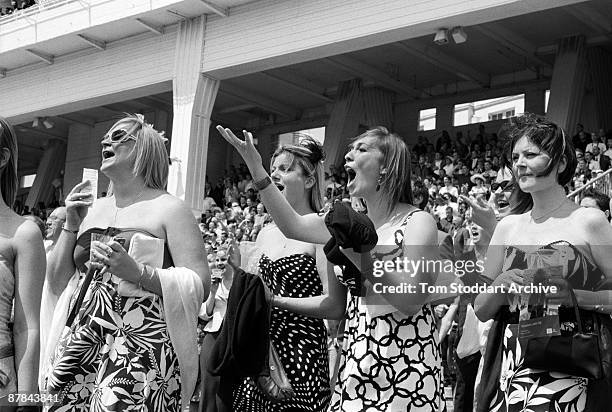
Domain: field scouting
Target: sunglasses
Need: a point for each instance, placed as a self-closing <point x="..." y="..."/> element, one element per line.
<point x="119" y="136"/>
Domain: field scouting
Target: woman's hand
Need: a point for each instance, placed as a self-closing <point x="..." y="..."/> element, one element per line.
<point x="482" y="213"/>
<point x="505" y="279"/>
<point x="116" y="259"/>
<point x="234" y="256"/>
<point x="245" y="147"/>
<point x="77" y="204"/>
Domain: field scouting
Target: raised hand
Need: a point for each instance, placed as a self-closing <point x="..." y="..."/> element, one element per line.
<point x="77" y="204"/>
<point x="482" y="213"/>
<point x="245" y="147"/>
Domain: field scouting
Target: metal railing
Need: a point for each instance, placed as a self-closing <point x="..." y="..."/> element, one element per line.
<point x="602" y="183"/>
<point x="34" y="10"/>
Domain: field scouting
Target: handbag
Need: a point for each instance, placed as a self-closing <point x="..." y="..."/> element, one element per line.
<point x="576" y="355"/>
<point x="274" y="383"/>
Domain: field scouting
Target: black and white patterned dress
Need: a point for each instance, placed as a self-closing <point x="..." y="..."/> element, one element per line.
<point x="301" y="341"/>
<point x="117" y="354"/>
<point x="390" y="361"/>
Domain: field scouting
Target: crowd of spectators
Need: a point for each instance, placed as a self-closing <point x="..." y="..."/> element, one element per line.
<point x="13" y="6"/>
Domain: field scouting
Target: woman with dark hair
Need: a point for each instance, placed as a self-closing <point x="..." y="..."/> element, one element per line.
<point x="545" y="230"/>
<point x="131" y="343"/>
<point x="390" y="358"/>
<point x="22" y="273"/>
<point x="297" y="274"/>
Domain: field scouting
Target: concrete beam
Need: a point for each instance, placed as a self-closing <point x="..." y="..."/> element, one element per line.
<point x="367" y="72"/>
<point x="512" y="41"/>
<point x="265" y="103"/>
<point x="433" y="55"/>
<point x="299" y="84"/>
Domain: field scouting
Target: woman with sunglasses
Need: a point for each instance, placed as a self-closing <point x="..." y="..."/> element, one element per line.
<point x="551" y="233"/>
<point x="391" y="357"/>
<point x="130" y="345"/>
<point x="22" y="270"/>
<point x="296" y="271"/>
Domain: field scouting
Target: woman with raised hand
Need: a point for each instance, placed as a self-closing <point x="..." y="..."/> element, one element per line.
<point x="22" y="273"/>
<point x="132" y="343"/>
<point x="296" y="272"/>
<point x="390" y="359"/>
<point x="553" y="233"/>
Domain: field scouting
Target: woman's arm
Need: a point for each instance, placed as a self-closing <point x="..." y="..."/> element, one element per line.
<point x="185" y="242"/>
<point x="29" y="278"/>
<point x="330" y="305"/>
<point x="447" y="319"/>
<point x="487" y="305"/>
<point x="308" y="228"/>
<point x="60" y="263"/>
<point x="599" y="238"/>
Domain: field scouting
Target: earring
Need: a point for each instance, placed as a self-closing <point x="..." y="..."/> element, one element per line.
<point x="379" y="180"/>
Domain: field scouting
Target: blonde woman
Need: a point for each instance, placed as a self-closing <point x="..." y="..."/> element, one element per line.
<point x="131" y="344"/>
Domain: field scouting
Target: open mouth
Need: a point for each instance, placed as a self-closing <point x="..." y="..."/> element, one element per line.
<point x="280" y="186"/>
<point x="350" y="173"/>
<point x="107" y="154"/>
<point x="502" y="202"/>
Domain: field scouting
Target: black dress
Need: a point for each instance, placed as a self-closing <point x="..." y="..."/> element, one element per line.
<point x="300" y="341"/>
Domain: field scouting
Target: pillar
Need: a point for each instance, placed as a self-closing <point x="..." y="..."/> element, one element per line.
<point x="344" y="119"/>
<point x="534" y="101"/>
<point x="355" y="109"/>
<point x="49" y="168"/>
<point x="445" y="116"/>
<point x="568" y="81"/>
<point x="600" y="62"/>
<point x="193" y="99"/>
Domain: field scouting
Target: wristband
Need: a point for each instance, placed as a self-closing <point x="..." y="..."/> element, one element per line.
<point x="262" y="184"/>
<point x="65" y="229"/>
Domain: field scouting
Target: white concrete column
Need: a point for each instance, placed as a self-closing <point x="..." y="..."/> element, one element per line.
<point x="193" y="99"/>
<point x="567" y="85"/>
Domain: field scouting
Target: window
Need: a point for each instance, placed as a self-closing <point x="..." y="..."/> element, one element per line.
<point x="27" y="181"/>
<point x="488" y="110"/>
<point x="501" y="115"/>
<point x="427" y="119"/>
<point x="294" y="137"/>
<point x="546" y="97"/>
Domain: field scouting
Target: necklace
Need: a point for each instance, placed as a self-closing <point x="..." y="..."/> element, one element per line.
<point x="547" y="214"/>
<point x="118" y="209"/>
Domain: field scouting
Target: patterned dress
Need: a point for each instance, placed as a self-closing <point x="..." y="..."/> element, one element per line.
<point x="117" y="354"/>
<point x="301" y="341"/>
<point x="390" y="361"/>
<point x="525" y="389"/>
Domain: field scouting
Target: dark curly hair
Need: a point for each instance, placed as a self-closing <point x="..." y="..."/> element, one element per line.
<point x="550" y="138"/>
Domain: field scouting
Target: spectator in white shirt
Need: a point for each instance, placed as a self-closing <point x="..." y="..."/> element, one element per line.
<point x="595" y="142"/>
<point x="449" y="188"/>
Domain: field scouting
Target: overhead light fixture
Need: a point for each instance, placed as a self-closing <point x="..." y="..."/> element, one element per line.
<point x="441" y="37"/>
<point x="36" y="122"/>
<point x="459" y="36"/>
<point x="48" y="123"/>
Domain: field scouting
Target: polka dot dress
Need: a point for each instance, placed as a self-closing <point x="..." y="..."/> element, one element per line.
<point x="301" y="341"/>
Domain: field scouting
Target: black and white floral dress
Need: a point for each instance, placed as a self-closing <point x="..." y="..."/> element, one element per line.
<point x="117" y="354"/>
<point x="301" y="341"/>
<point x="525" y="389"/>
<point x="390" y="361"/>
